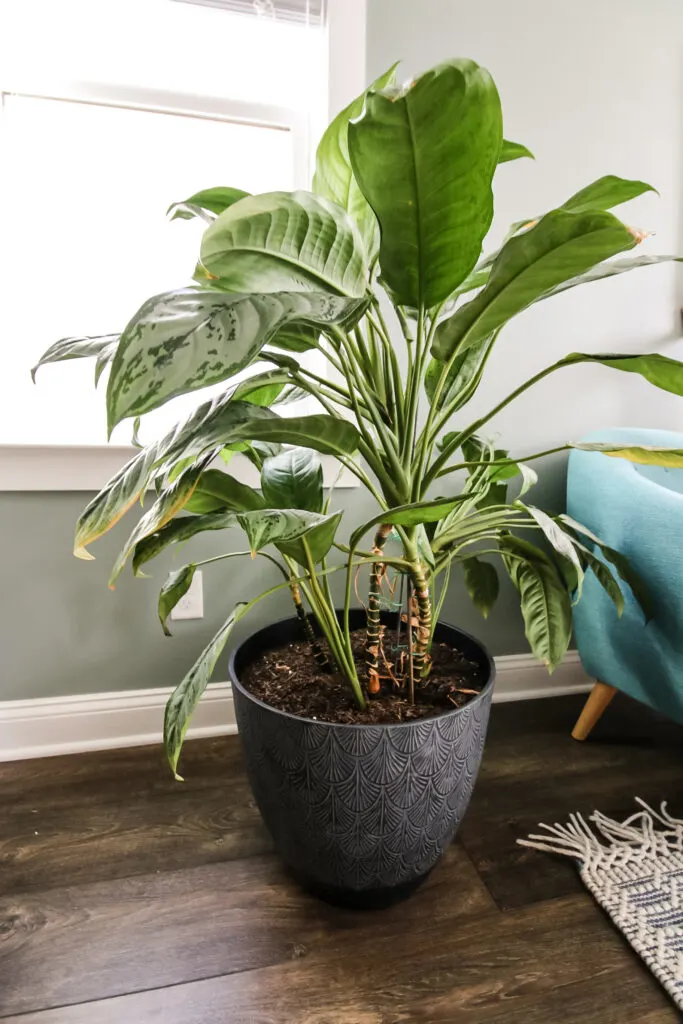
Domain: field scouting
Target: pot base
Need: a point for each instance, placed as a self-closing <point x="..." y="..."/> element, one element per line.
<point x="360" y="899"/>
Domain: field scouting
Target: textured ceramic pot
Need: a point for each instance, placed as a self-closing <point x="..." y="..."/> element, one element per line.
<point x="360" y="813"/>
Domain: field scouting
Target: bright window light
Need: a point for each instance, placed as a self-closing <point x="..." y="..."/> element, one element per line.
<point x="85" y="183"/>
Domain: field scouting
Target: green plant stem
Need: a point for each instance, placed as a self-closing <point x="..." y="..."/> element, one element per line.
<point x="503" y="462"/>
<point x="439" y="604"/>
<point x="413" y="392"/>
<point x="474" y="427"/>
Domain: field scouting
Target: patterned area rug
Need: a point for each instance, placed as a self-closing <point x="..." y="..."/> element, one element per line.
<point x="634" y="869"/>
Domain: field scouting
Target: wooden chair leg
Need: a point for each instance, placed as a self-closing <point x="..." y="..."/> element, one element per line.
<point x="598" y="699"/>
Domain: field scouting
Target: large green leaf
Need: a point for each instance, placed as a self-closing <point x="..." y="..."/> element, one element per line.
<point x="659" y="370"/>
<point x="546" y="608"/>
<point x="288" y="529"/>
<point x="219" y="492"/>
<point x="207" y="203"/>
<point x="286" y="242"/>
<point x="513" y="151"/>
<point x="183" y="700"/>
<point x="334" y="178"/>
<point x="601" y="572"/>
<point x="76" y="348"/>
<point x="212" y="423"/>
<point x="561" y="246"/>
<point x="424" y="158"/>
<point x="175" y="588"/>
<point x="646" y="455"/>
<point x="293" y="479"/>
<point x="481" y="581"/>
<point x="606" y="193"/>
<point x="170" y="501"/>
<point x="184" y="340"/>
<point x="177" y="532"/>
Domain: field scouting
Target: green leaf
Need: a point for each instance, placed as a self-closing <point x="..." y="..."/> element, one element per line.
<point x="77" y="348"/>
<point x="481" y="581"/>
<point x="645" y="455"/>
<point x="293" y="479"/>
<point x="602" y="573"/>
<point x="219" y="492"/>
<point x="324" y="433"/>
<point x="513" y="151"/>
<point x="286" y="242"/>
<point x="559" y="540"/>
<point x="424" y="158"/>
<point x="183" y="700"/>
<point x="659" y="370"/>
<point x="561" y="246"/>
<point x="296" y="338"/>
<point x="606" y="193"/>
<point x="181" y="341"/>
<point x="175" y="587"/>
<point x="213" y="423"/>
<point x="177" y="532"/>
<point x="333" y="176"/>
<point x="546" y="608"/>
<point x="463" y="376"/>
<point x="410" y="515"/>
<point x="207" y="203"/>
<point x="263" y="388"/>
<point x="621" y="563"/>
<point x="288" y="528"/>
<point x="611" y="269"/>
<point x="170" y="501"/>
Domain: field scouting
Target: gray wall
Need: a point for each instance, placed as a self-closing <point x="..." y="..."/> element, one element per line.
<point x="592" y="87"/>
<point x="62" y="631"/>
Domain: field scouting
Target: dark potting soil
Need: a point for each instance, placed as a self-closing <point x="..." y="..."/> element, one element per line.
<point x="289" y="679"/>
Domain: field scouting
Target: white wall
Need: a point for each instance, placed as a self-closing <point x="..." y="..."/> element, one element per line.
<point x="592" y="87"/>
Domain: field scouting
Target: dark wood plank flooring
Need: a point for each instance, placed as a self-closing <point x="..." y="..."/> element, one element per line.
<point x="126" y="897"/>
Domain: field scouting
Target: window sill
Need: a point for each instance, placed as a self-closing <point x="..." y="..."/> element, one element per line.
<point x="87" y="468"/>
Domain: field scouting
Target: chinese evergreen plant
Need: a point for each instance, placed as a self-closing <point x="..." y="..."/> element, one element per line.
<point x="401" y="204"/>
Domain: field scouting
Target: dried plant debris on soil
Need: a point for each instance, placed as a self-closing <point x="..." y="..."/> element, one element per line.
<point x="288" y="678"/>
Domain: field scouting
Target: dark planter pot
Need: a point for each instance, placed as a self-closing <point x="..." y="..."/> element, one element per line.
<point x="360" y="813"/>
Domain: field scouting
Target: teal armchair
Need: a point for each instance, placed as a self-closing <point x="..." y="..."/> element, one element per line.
<point x="638" y="510"/>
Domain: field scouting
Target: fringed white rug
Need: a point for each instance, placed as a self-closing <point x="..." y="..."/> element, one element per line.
<point x="636" y="876"/>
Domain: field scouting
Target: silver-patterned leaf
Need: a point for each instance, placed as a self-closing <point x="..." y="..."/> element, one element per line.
<point x="183" y="700"/>
<point x="78" y="347"/>
<point x="181" y="341"/>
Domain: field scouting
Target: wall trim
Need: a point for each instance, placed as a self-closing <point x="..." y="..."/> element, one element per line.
<point x="87" y="468"/>
<point x="45" y="727"/>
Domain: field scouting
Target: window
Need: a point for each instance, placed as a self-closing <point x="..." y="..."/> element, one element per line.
<point x="165" y="97"/>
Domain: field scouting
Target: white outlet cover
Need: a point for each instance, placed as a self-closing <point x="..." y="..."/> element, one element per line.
<point x="191" y="605"/>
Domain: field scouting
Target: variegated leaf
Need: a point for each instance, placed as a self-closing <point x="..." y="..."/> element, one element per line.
<point x="76" y="348"/>
<point x="183" y="700"/>
<point x="170" y="501"/>
<point x="181" y="341"/>
<point x="177" y="532"/>
<point x="288" y="529"/>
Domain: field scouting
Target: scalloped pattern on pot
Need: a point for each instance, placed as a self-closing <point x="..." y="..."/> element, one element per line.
<point x="362" y="807"/>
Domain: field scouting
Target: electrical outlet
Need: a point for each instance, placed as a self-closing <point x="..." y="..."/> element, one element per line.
<point x="191" y="605"/>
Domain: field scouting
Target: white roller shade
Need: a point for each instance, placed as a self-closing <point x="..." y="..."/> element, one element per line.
<point x="306" y="11"/>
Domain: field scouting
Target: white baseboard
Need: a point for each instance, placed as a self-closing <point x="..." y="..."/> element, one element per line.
<point x="69" y="725"/>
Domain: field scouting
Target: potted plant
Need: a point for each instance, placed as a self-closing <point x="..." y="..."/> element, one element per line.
<point x="363" y="727"/>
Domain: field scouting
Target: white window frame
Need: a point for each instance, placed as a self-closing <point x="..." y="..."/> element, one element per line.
<point x="33" y="467"/>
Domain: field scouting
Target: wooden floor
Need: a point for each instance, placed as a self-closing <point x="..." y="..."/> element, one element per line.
<point x="126" y="898"/>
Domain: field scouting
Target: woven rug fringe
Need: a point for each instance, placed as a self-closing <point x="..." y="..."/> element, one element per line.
<point x="636" y="838"/>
